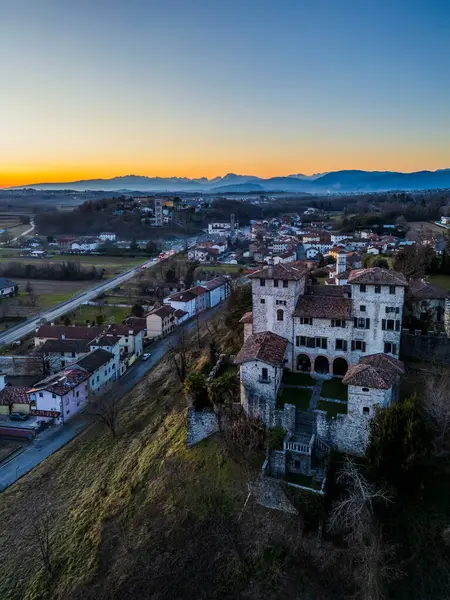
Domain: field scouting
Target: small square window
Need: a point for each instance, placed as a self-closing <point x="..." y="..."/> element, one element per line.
<point x="362" y="287"/>
<point x="285" y="283"/>
<point x="392" y="289"/>
<point x="366" y="410"/>
<point x="262" y="282"/>
<point x="378" y="289"/>
<point x="275" y="283"/>
<point x="263" y="301"/>
<point x="362" y="308"/>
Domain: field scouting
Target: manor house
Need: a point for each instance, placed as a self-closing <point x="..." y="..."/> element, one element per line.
<point x="348" y="333"/>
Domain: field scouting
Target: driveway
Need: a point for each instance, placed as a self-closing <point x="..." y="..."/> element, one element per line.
<point x="56" y="437"/>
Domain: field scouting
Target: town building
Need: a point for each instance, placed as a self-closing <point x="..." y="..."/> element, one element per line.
<point x="7" y="287"/>
<point x="107" y="236"/>
<point x="160" y="321"/>
<point x="229" y="228"/>
<point x="59" y="397"/>
<point x="102" y="367"/>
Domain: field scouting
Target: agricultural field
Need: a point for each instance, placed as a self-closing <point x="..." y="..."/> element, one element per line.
<point x="426" y="227"/>
<point x="442" y="281"/>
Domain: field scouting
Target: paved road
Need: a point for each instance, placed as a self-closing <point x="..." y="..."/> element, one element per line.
<point x="56" y="437"/>
<point x="24" y="232"/>
<point x="19" y="331"/>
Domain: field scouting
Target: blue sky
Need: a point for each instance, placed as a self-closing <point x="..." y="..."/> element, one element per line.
<point x="196" y="88"/>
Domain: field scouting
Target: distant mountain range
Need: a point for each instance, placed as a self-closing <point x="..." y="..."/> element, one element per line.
<point x="321" y="183"/>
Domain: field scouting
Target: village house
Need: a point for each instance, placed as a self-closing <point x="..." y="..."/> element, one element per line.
<point x="161" y="321"/>
<point x="60" y="353"/>
<point x="85" y="245"/>
<point x="218" y="288"/>
<point x="8" y="287"/>
<point x="102" y="367"/>
<point x="428" y="302"/>
<point x="13" y="399"/>
<point x="59" y="397"/>
<point x="201" y="298"/>
<point x="107" y="236"/>
<point x="184" y="301"/>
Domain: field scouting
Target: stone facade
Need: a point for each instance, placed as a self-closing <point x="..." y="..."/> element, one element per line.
<point x="200" y="425"/>
<point x="430" y="348"/>
<point x="260" y="383"/>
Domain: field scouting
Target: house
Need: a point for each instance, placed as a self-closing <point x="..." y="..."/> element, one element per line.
<point x="107" y="236"/>
<point x="8" y="287"/>
<point x="85" y="245"/>
<point x="60" y="353"/>
<point x="131" y="340"/>
<point x="351" y="331"/>
<point x="184" y="301"/>
<point x="223" y="228"/>
<point x="218" y="288"/>
<point x="70" y="332"/>
<point x="59" y="397"/>
<point x="102" y="367"/>
<point x="427" y="301"/>
<point x="161" y="321"/>
<point x="111" y="343"/>
<point x="13" y="399"/>
<point x="201" y="298"/>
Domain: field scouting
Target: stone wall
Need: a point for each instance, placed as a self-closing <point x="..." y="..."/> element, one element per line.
<point x="223" y="359"/>
<point x="22" y="365"/>
<point x="277" y="463"/>
<point x="200" y="425"/>
<point x="346" y="433"/>
<point x="429" y="348"/>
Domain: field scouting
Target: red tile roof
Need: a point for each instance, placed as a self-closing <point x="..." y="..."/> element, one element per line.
<point x="69" y="332"/>
<point x="377" y="276"/>
<point x="266" y="346"/>
<point x="323" y="307"/>
<point x="426" y="291"/>
<point x="281" y="271"/>
<point x="185" y="296"/>
<point x="246" y="318"/>
<point x="13" y="395"/>
<point x="162" y="311"/>
<point x="377" y="371"/>
<point x="62" y="382"/>
<point x="198" y="290"/>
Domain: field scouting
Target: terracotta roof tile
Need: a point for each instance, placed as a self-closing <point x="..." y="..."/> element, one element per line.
<point x="377" y="276"/>
<point x="13" y="395"/>
<point x="281" y="271"/>
<point x="377" y="371"/>
<point x="70" y="333"/>
<point x="266" y="346"/>
<point x="62" y="382"/>
<point x="324" y="307"/>
<point x="384" y="361"/>
<point x="162" y="311"/>
<point x="426" y="291"/>
<point x="246" y="318"/>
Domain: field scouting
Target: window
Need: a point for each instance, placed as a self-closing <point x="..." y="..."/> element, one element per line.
<point x="78" y="393"/>
<point x="359" y="345"/>
<point x="280" y="315"/>
<point x="285" y="283"/>
<point x="63" y="363"/>
<point x="337" y="323"/>
<point x="366" y="410"/>
<point x="361" y="323"/>
<point x="390" y="325"/>
<point x="53" y="395"/>
<point x="297" y="340"/>
<point x="62" y="353"/>
<point x="275" y="283"/>
<point x="362" y="308"/>
<point x="362" y="287"/>
<point x="41" y="395"/>
<point x="264" y="373"/>
<point x="310" y="342"/>
<point x="281" y="302"/>
<point x="365" y="390"/>
<point x="390" y="348"/>
<point x="262" y="282"/>
<point x="73" y="354"/>
<point x="263" y="301"/>
<point x="321" y="343"/>
<point x="392" y="289"/>
<point x="306" y="321"/>
<point x="378" y="289"/>
<point x="341" y="345"/>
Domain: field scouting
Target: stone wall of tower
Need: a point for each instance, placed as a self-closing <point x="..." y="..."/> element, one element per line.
<point x="371" y="305"/>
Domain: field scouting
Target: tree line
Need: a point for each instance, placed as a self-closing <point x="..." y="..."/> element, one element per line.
<point x="66" y="271"/>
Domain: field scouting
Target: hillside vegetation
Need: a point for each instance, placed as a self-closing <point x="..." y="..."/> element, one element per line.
<point x="140" y="516"/>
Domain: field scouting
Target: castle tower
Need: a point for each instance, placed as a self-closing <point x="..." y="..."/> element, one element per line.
<point x="341" y="265"/>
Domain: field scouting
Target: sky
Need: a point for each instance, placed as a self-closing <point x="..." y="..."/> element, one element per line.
<point x="191" y="88"/>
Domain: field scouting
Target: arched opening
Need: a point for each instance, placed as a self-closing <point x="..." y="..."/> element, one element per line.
<point x="280" y="315"/>
<point x="321" y="365"/>
<point x="340" y="366"/>
<point x="303" y="363"/>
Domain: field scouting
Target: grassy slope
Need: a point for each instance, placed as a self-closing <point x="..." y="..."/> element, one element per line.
<point x="143" y="517"/>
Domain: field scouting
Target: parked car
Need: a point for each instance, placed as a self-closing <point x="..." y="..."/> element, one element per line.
<point x="18" y="416"/>
<point x="146" y="356"/>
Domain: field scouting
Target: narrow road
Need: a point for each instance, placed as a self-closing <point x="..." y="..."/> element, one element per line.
<point x="19" y="331"/>
<point x="24" y="232"/>
<point x="58" y="436"/>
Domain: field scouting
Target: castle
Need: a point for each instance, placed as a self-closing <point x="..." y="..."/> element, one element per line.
<point x="348" y="333"/>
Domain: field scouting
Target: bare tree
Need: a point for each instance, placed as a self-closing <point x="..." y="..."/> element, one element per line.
<point x="178" y="354"/>
<point x="436" y="405"/>
<point x="40" y="533"/>
<point x="107" y="413"/>
<point x="370" y="559"/>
